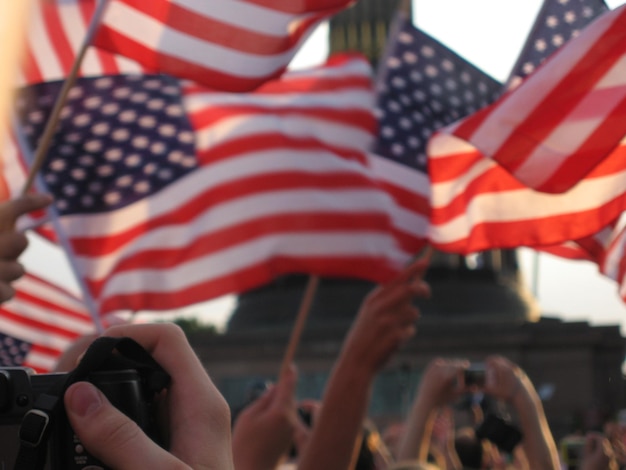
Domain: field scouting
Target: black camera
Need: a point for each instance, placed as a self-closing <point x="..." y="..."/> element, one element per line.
<point x="474" y="375"/>
<point x="20" y="387"/>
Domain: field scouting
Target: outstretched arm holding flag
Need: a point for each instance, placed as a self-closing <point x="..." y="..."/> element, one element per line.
<point x="385" y="321"/>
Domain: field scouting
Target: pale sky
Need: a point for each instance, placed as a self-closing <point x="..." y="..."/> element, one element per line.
<point x="489" y="33"/>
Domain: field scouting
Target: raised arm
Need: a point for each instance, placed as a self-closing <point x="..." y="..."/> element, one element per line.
<point x="441" y="384"/>
<point x="508" y="382"/>
<point x="385" y="321"/>
<point x="264" y="430"/>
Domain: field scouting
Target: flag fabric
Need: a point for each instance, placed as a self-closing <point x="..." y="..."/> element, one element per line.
<point x="171" y="193"/>
<point x="422" y="86"/>
<point x="613" y="263"/>
<point x="564" y="119"/>
<point x="557" y="22"/>
<point x="55" y="36"/>
<point x="54" y="39"/>
<point x="230" y="45"/>
<point x="477" y="205"/>
<point x="13" y="174"/>
<point x="39" y="323"/>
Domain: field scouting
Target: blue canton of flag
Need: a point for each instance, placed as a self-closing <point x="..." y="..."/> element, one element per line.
<point x="557" y="22"/>
<point x="422" y="87"/>
<point x="12" y="351"/>
<point x="120" y="139"/>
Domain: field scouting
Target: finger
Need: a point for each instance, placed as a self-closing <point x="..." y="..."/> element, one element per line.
<point x="109" y="435"/>
<point x="10" y="270"/>
<point x="11" y="210"/>
<point x="6" y="292"/>
<point x="196" y="401"/>
<point x="287" y="386"/>
<point x="392" y="296"/>
<point x="263" y="402"/>
<point x="416" y="269"/>
<point x="12" y="244"/>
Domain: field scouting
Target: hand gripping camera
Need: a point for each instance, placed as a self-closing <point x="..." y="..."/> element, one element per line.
<point x="34" y="430"/>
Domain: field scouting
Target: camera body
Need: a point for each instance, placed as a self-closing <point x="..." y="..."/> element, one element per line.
<point x="474" y="375"/>
<point x="571" y="449"/>
<point x="20" y="387"/>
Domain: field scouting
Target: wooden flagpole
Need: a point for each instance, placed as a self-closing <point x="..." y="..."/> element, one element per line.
<point x="53" y="119"/>
<point x="303" y="314"/>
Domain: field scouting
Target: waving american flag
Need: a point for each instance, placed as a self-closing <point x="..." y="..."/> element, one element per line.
<point x="564" y="119"/>
<point x="478" y="204"/>
<point x="39" y="323"/>
<point x="171" y="193"/>
<point x="231" y="45"/>
<point x="422" y="86"/>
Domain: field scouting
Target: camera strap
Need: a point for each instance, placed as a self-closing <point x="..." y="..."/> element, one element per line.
<point x="104" y="354"/>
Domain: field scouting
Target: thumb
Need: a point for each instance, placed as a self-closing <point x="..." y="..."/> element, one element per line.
<point x="11" y="210"/>
<point x="108" y="434"/>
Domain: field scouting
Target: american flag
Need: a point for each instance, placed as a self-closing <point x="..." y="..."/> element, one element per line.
<point x="171" y="193"/>
<point x="56" y="32"/>
<point x="39" y="323"/>
<point x="563" y="120"/>
<point x="557" y="22"/>
<point x="422" y="86"/>
<point x="55" y="35"/>
<point x="477" y="204"/>
<point x="231" y="45"/>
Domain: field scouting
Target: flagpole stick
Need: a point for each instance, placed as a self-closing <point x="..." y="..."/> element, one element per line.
<point x="90" y="304"/>
<point x="53" y="119"/>
<point x="296" y="333"/>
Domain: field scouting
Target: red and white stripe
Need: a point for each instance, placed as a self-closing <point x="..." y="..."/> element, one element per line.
<point x="47" y="316"/>
<point x="477" y="205"/>
<point x="411" y="193"/>
<point x="613" y="264"/>
<point x="564" y="119"/>
<point x="283" y="186"/>
<point x="56" y="32"/>
<point x="231" y="45"/>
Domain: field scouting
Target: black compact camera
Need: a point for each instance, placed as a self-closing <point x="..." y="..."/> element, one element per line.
<point x="474" y="375"/>
<point x="20" y="387"/>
